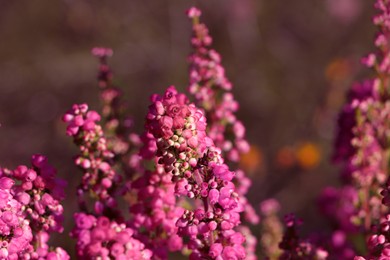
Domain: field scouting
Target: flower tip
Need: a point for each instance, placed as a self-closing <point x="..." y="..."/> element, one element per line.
<point x="38" y="160"/>
<point x="193" y="12"/>
<point x="369" y="60"/>
<point x="67" y="117"/>
<point x="101" y="52"/>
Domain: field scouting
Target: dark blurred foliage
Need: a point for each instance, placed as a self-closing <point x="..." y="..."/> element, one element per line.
<point x="291" y="63"/>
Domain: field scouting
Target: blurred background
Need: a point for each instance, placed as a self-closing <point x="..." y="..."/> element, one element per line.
<point x="291" y="65"/>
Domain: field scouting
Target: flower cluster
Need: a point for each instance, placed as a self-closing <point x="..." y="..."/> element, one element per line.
<point x="99" y="178"/>
<point x="15" y="229"/>
<point x="105" y="236"/>
<point x="30" y="209"/>
<point x="190" y="157"/>
<point x="295" y="248"/>
<point x="339" y="206"/>
<point x="155" y="212"/>
<point x="379" y="242"/>
<point x="102" y="238"/>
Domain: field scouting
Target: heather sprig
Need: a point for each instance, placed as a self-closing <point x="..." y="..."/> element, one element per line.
<point x="271" y="228"/>
<point x="364" y="131"/>
<point x="112" y="113"/>
<point x="101" y="233"/>
<point x="99" y="180"/>
<point x="196" y="167"/>
<point x="213" y="93"/>
<point x="116" y="124"/>
<point x="363" y="145"/>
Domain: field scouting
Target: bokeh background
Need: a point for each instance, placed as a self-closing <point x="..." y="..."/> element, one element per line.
<point x="291" y="63"/>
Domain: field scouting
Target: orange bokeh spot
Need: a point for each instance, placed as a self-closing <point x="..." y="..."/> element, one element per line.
<point x="285" y="157"/>
<point x="338" y="70"/>
<point x="308" y="155"/>
<point x="252" y="160"/>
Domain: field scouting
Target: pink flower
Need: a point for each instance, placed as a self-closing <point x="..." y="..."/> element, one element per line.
<point x="213" y="196"/>
<point x="6" y="183"/>
<point x="215" y="250"/>
<point x="84" y="221"/>
<point x="166" y="124"/>
<point x="175" y="243"/>
<point x="193" y="142"/>
<point x="222" y="172"/>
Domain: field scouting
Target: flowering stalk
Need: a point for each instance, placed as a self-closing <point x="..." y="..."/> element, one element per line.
<point x="113" y="107"/>
<point x="368" y="162"/>
<point x="99" y="180"/>
<point x="212" y="92"/>
<point x="152" y="202"/>
<point x="271" y="229"/>
<point x="102" y="234"/>
<point x="116" y="125"/>
<point x="363" y="143"/>
<point x="198" y="172"/>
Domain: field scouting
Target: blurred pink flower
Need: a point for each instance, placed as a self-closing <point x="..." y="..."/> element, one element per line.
<point x="345" y="11"/>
